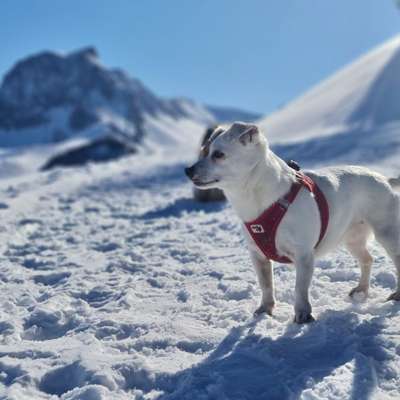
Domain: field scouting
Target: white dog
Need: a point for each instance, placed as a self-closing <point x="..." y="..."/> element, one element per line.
<point x="253" y="178"/>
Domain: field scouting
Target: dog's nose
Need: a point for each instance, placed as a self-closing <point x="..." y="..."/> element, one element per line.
<point x="189" y="171"/>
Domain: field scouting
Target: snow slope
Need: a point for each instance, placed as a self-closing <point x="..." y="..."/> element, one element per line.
<point x="115" y="284"/>
<point x="358" y="104"/>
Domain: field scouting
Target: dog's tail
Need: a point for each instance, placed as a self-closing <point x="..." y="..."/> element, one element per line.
<point x="395" y="183"/>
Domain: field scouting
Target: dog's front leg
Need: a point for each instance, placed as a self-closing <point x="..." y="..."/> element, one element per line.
<point x="265" y="276"/>
<point x="304" y="270"/>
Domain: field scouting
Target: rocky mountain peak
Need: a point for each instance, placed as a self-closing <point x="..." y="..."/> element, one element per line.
<point x="52" y="96"/>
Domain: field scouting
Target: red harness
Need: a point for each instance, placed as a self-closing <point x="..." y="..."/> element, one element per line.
<point x="263" y="229"/>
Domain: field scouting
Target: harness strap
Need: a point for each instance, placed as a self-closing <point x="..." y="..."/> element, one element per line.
<point x="321" y="201"/>
<point x="263" y="229"/>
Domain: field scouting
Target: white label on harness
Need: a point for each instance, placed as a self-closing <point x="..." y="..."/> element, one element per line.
<point x="257" y="228"/>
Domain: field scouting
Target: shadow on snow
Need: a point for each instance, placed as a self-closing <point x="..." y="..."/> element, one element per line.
<point x="182" y="205"/>
<point x="170" y="175"/>
<point x="246" y="365"/>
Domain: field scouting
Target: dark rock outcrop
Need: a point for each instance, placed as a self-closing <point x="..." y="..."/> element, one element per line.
<point x="99" y="150"/>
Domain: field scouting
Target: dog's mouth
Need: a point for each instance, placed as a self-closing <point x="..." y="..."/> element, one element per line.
<point x="199" y="183"/>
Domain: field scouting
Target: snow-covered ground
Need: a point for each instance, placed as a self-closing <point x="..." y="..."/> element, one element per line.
<point x="116" y="284"/>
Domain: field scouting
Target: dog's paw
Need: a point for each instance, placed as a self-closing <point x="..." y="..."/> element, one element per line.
<point x="359" y="292"/>
<point x="264" y="308"/>
<point x="303" y="317"/>
<point x="394" y="296"/>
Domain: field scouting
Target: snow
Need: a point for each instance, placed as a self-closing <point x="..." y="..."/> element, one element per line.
<point x="56" y="125"/>
<point x="116" y="284"/>
<point x="165" y="131"/>
<point x="345" y="102"/>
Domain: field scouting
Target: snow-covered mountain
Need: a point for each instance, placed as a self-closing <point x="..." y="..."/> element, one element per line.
<point x="353" y="116"/>
<point x="51" y="97"/>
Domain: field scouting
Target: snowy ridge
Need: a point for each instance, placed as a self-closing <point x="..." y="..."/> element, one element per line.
<point x="51" y="97"/>
<point x="115" y="284"/>
<point x="362" y="96"/>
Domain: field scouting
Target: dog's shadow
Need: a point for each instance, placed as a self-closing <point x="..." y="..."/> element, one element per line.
<point x="246" y="365"/>
<point x="184" y="205"/>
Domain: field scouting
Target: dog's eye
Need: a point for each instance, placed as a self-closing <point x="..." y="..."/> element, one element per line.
<point x="218" y="155"/>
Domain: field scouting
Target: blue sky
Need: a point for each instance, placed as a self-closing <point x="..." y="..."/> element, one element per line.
<point x="253" y="54"/>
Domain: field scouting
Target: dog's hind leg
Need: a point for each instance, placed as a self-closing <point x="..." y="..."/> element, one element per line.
<point x="391" y="243"/>
<point x="387" y="233"/>
<point x="396" y="295"/>
<point x="390" y="240"/>
<point x="356" y="243"/>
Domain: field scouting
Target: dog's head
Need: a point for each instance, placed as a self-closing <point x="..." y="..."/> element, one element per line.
<point x="228" y="157"/>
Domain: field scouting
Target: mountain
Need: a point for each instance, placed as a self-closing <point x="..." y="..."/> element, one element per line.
<point x="353" y="116"/>
<point x="50" y="97"/>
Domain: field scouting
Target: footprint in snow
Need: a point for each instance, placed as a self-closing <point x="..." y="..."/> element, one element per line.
<point x="108" y="330"/>
<point x="63" y="379"/>
<point x="99" y="296"/>
<point x="52" y="279"/>
<point x="9" y="373"/>
<point x="30" y="227"/>
<point x="106" y="247"/>
<point x="32" y="262"/>
<point x="44" y="324"/>
<point x="6" y="328"/>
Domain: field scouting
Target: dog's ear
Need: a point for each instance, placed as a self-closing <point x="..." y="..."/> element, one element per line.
<point x="250" y="135"/>
<point x="217" y="131"/>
